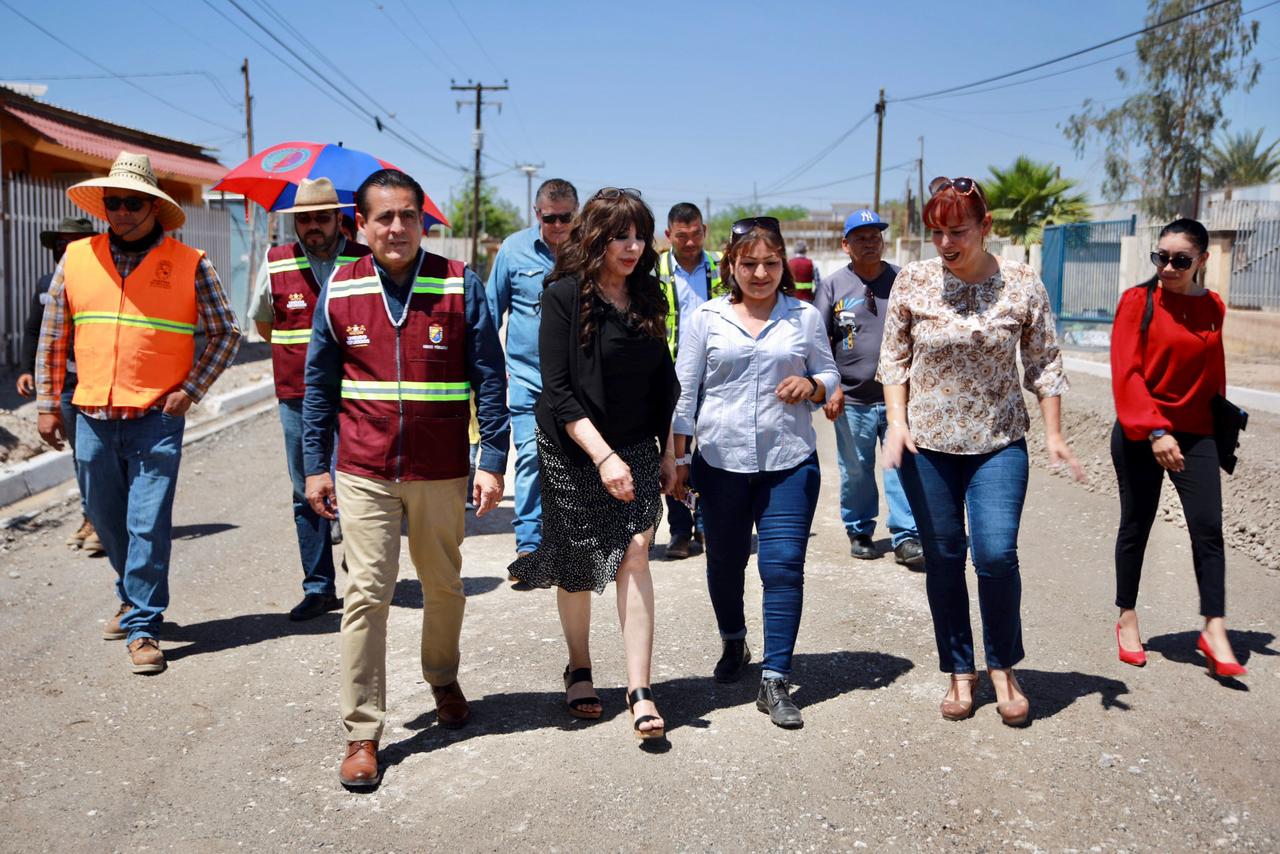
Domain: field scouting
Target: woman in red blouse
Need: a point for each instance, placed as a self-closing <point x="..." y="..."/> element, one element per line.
<point x="1166" y="367"/>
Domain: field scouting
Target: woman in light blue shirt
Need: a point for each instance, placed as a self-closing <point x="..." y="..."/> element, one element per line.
<point x="753" y="367"/>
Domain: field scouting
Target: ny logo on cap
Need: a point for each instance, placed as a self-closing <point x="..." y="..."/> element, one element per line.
<point x="867" y="216"/>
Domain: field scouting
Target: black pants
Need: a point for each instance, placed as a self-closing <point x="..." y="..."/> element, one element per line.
<point x="1199" y="487"/>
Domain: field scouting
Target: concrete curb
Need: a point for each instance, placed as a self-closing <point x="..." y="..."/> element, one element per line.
<point x="1245" y="398"/>
<point x="47" y="470"/>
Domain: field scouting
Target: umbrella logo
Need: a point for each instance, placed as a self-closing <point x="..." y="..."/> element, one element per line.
<point x="285" y="159"/>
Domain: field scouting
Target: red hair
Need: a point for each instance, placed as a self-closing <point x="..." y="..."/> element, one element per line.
<point x="950" y="207"/>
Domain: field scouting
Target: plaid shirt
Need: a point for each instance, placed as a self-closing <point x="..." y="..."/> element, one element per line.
<point x="222" y="340"/>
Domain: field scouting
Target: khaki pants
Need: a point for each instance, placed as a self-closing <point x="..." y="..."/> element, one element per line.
<point x="371" y="512"/>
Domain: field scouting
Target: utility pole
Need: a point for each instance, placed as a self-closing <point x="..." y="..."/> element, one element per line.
<point x="254" y="254"/>
<point x="706" y="212"/>
<point x="529" y="170"/>
<point x="477" y="142"/>
<point x="875" y="205"/>
<point x="920" y="172"/>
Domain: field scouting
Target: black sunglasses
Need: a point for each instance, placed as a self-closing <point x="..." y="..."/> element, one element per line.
<point x="610" y="193"/>
<point x="744" y="226"/>
<point x="132" y="204"/>
<point x="1179" y="262"/>
<point x="963" y="186"/>
<point x="870" y="296"/>
<point x="562" y="218"/>
<point x="321" y="218"/>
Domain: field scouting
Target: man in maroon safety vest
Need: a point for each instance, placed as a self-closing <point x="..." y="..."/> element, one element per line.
<point x="284" y="303"/>
<point x="804" y="271"/>
<point x="401" y="339"/>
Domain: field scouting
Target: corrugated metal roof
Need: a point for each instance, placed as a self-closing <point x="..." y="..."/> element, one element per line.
<point x="166" y="164"/>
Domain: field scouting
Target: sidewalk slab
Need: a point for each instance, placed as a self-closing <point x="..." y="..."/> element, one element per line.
<point x="1245" y="398"/>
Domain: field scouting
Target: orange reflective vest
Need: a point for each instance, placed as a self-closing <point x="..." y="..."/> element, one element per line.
<point x="134" y="338"/>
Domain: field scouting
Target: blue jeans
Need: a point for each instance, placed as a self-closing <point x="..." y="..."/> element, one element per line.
<point x="528" y="495"/>
<point x="859" y="431"/>
<point x="992" y="486"/>
<point x="129" y="471"/>
<point x="69" y="415"/>
<point x="780" y="505"/>
<point x="313" y="530"/>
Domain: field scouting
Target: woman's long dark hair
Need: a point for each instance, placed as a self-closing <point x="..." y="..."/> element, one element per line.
<point x="583" y="254"/>
<point x="1199" y="237"/>
<point x="740" y="244"/>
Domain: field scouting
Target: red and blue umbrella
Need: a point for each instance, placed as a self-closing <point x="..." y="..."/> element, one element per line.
<point x="271" y="176"/>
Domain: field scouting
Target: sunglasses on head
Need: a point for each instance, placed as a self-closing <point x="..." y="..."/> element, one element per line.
<point x="744" y="226"/>
<point x="1179" y="262"/>
<point x="610" y="193"/>
<point x="963" y="186"/>
<point x="320" y="218"/>
<point x="132" y="204"/>
<point x="562" y="218"/>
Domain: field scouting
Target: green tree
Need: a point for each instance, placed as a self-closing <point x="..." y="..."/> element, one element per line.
<point x="1154" y="140"/>
<point x="720" y="223"/>
<point x="1028" y="196"/>
<point x="498" y="217"/>
<point x="1236" y="161"/>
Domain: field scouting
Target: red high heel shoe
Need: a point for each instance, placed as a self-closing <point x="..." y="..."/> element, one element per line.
<point x="1219" y="668"/>
<point x="1137" y="659"/>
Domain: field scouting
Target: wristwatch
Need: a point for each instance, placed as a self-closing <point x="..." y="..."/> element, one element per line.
<point x="1156" y="434"/>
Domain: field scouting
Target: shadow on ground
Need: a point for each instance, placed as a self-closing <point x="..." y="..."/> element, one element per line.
<point x="409" y="590"/>
<point x="241" y="630"/>
<point x="496" y="521"/>
<point x="684" y="702"/>
<point x="207" y="529"/>
<point x="1180" y="647"/>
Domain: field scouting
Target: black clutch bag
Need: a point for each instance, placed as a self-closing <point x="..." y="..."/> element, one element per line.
<point x="1228" y="421"/>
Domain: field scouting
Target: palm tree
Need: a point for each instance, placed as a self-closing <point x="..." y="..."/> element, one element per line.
<point x="1030" y="195"/>
<point x="1236" y="161"/>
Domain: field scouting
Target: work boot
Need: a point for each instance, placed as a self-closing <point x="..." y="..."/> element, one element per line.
<point x="452" y="709"/>
<point x="733" y="660"/>
<point x="92" y="545"/>
<point x="112" y="630"/>
<point x="678" y="548"/>
<point x="313" y="605"/>
<point x="775" y="699"/>
<point x="145" y="655"/>
<point x="76" y="540"/>
<point x="861" y="547"/>
<point x="360" y="767"/>
<point x="910" y="553"/>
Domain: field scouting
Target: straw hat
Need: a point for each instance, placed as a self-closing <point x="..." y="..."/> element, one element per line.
<point x="315" y="195"/>
<point x="129" y="172"/>
<point x="69" y="226"/>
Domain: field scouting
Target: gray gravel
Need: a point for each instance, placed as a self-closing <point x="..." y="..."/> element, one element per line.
<point x="236" y="746"/>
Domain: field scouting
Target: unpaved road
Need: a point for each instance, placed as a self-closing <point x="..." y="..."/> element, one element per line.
<point x="236" y="746"/>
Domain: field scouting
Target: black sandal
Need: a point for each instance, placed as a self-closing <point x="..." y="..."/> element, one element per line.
<point x="571" y="678"/>
<point x="634" y="697"/>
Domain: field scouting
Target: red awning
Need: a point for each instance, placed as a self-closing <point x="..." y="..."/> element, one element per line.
<point x="166" y="164"/>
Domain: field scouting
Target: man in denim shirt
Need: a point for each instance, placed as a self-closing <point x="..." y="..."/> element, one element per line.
<point x="515" y="289"/>
<point x="852" y="302"/>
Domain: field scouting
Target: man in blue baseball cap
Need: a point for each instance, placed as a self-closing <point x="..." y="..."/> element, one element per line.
<point x="853" y="301"/>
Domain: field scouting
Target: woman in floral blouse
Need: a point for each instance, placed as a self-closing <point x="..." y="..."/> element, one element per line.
<point x="952" y="335"/>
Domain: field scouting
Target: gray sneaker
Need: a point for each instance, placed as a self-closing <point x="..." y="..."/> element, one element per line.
<point x="910" y="554"/>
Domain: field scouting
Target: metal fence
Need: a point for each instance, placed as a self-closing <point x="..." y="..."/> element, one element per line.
<point x="1255" y="265"/>
<point x="33" y="205"/>
<point x="1081" y="266"/>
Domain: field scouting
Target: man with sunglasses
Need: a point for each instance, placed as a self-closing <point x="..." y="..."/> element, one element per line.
<point x="288" y="287"/>
<point x="690" y="275"/>
<point x="134" y="296"/>
<point x="853" y="301"/>
<point x="514" y="292"/>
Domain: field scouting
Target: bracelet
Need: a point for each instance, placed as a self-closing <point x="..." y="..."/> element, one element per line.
<point x="605" y="459"/>
<point x="687" y="459"/>
<point x="813" y="383"/>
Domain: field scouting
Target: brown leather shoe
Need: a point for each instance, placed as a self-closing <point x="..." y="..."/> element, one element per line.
<point x="76" y="540"/>
<point x="452" y="711"/>
<point x="112" y="630"/>
<point x="92" y="545"/>
<point x="360" y="768"/>
<point x="146" y="656"/>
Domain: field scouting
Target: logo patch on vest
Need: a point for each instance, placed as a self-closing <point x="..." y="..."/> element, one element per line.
<point x="163" y="271"/>
<point x="356" y="336"/>
<point x="436" y="333"/>
<point x="295" y="302"/>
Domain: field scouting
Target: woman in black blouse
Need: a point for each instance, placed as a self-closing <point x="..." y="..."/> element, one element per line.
<point x="604" y="425"/>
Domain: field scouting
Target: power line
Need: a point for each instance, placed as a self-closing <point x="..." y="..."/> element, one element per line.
<point x="479" y="44"/>
<point x="115" y="74"/>
<point x="1075" y="53"/>
<point x="790" y="191"/>
<point x="817" y="158"/>
<point x="217" y="84"/>
<point x="439" y="48"/>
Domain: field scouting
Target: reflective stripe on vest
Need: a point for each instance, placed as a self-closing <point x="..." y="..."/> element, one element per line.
<point x="426" y="392"/>
<point x="294" y="294"/>
<point x="134" y="337"/>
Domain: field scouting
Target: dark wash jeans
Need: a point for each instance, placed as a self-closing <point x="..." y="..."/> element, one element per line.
<point x="992" y="487"/>
<point x="312" y="529"/>
<point x="780" y="506"/>
<point x="1199" y="487"/>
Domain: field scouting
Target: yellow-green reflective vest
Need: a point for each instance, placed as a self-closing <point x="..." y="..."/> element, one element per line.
<point x="715" y="288"/>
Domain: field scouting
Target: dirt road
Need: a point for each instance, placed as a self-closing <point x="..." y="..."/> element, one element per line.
<point x="236" y="746"/>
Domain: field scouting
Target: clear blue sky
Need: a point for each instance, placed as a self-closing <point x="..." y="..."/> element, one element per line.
<point x="685" y="101"/>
